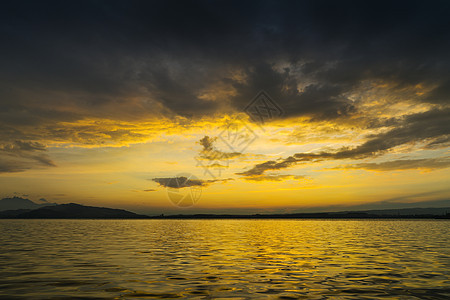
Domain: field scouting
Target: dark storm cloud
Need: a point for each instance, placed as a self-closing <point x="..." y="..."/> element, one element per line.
<point x="429" y="127"/>
<point x="66" y="61"/>
<point x="440" y="94"/>
<point x="323" y="100"/>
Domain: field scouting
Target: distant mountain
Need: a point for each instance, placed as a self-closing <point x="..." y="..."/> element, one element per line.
<point x="410" y="211"/>
<point x="20" y="203"/>
<point x="406" y="213"/>
<point x="71" y="211"/>
<point x="77" y="211"/>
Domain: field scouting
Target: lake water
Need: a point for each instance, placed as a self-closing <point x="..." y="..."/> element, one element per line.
<point x="206" y="259"/>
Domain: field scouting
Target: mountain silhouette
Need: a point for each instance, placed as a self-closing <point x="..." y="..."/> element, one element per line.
<point x="20" y="208"/>
<point x="20" y="203"/>
<point x="70" y="211"/>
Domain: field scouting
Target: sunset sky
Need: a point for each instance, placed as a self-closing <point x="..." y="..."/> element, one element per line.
<point x="104" y="103"/>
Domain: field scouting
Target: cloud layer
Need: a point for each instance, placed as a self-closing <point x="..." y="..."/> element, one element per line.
<point x="403" y="164"/>
<point x="67" y="65"/>
<point x="134" y="59"/>
<point x="431" y="127"/>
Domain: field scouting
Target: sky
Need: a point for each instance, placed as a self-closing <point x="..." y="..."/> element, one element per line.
<point x="226" y="106"/>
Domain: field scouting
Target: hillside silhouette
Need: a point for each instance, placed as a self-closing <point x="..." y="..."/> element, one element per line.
<point x="20" y="208"/>
<point x="70" y="211"/>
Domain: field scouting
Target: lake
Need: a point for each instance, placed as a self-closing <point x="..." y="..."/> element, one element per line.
<point x="241" y="259"/>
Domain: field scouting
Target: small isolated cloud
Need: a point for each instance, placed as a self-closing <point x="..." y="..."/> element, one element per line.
<point x="209" y="151"/>
<point x="182" y="182"/>
<point x="273" y="177"/>
<point x="402" y="164"/>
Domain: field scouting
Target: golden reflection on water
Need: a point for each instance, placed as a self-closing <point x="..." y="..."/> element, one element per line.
<point x="263" y="259"/>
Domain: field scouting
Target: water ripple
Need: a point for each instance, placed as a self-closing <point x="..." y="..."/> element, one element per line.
<point x="242" y="259"/>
